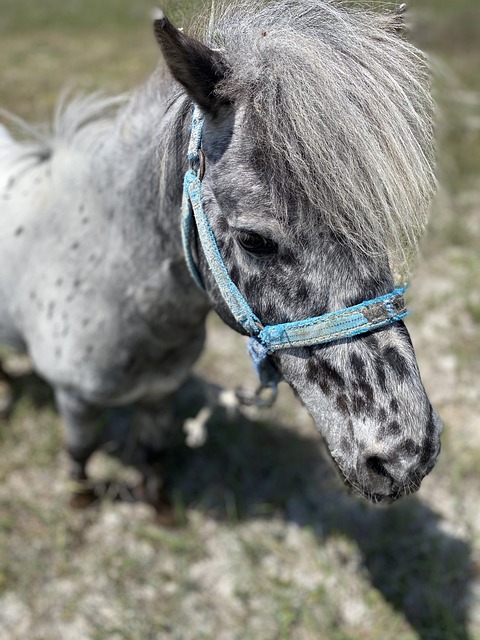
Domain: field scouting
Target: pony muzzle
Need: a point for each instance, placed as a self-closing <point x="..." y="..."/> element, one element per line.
<point x="387" y="477"/>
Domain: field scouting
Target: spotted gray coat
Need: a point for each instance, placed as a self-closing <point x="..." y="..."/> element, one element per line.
<point x="318" y="145"/>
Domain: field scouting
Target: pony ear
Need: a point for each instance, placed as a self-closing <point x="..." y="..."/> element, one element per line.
<point x="197" y="67"/>
<point x="399" y="25"/>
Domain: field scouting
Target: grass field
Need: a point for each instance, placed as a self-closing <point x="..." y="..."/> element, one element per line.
<point x="271" y="546"/>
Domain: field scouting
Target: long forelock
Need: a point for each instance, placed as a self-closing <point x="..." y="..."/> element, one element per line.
<point x="339" y="106"/>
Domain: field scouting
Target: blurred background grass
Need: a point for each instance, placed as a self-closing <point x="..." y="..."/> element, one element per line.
<point x="271" y="546"/>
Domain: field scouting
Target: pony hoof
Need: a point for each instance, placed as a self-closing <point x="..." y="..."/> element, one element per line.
<point x="82" y="498"/>
<point x="165" y="517"/>
<point x="158" y="499"/>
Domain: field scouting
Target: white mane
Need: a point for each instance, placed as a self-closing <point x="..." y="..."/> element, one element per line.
<point x="339" y="103"/>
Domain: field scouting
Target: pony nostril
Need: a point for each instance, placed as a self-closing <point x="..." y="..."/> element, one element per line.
<point x="377" y="465"/>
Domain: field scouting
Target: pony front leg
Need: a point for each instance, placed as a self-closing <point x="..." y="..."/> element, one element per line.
<point x="156" y="429"/>
<point x="82" y="422"/>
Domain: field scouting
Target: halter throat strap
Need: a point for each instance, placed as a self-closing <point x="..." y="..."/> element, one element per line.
<point x="265" y="340"/>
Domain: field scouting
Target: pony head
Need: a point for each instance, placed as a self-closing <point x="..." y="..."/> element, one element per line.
<point x="318" y="176"/>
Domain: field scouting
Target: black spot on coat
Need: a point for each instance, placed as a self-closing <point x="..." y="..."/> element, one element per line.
<point x="398" y="363"/>
<point x="358" y="366"/>
<point x="342" y="404"/>
<point x="393" y="428"/>
<point x="411" y="447"/>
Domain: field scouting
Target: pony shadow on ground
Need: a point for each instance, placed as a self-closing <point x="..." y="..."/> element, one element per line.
<point x="28" y="384"/>
<point x="254" y="468"/>
<point x="25" y="384"/>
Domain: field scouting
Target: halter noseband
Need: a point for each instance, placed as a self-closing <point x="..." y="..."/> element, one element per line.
<point x="265" y="340"/>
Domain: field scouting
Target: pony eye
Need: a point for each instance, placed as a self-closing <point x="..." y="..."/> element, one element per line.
<point x="256" y="244"/>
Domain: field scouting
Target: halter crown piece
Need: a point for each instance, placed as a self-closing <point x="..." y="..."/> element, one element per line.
<point x="265" y="340"/>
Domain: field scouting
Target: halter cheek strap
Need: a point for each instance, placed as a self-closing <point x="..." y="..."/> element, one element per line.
<point x="265" y="340"/>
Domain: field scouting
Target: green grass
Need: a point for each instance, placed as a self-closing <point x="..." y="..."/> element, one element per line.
<point x="80" y="17"/>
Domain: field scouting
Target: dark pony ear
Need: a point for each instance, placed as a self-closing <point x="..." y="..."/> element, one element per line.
<point x="399" y="25"/>
<point x="198" y="68"/>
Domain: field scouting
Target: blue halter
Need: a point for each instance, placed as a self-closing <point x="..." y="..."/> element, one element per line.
<point x="346" y="323"/>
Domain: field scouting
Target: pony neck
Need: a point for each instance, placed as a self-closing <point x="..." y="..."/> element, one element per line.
<point x="142" y="161"/>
